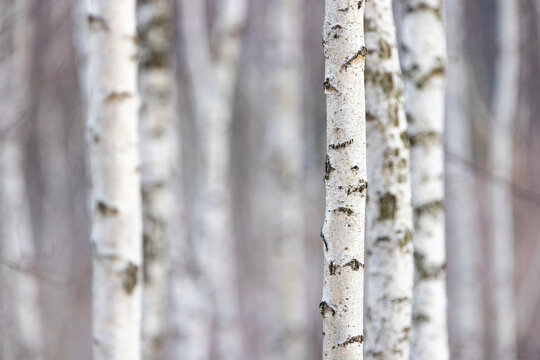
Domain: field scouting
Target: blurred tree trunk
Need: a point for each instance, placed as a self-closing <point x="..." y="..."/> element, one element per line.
<point x="423" y="49"/>
<point x="346" y="184"/>
<point x="466" y="325"/>
<point x="112" y="134"/>
<point x="390" y="263"/>
<point x="286" y="319"/>
<point x="501" y="152"/>
<point x="157" y="132"/>
<point x="213" y="72"/>
<point x="21" y="326"/>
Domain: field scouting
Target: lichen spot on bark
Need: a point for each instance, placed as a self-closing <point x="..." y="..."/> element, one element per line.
<point x="130" y="277"/>
<point x="387" y="207"/>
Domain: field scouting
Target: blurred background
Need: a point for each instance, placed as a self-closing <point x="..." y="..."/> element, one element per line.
<point x="56" y="176"/>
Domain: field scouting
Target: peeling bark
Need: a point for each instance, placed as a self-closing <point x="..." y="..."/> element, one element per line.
<point x="343" y="229"/>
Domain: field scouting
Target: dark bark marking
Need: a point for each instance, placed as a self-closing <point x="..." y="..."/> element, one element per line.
<point x="324" y="240"/>
<point x="354" y="264"/>
<point x="98" y="22"/>
<point x="118" y="96"/>
<point x="352" y="340"/>
<point x="438" y="71"/>
<point x="387" y="207"/>
<point x="359" y="54"/>
<point x="425" y="272"/>
<point x="433" y="208"/>
<point x="130" y="277"/>
<point x="328" y="86"/>
<point x="405" y="139"/>
<point x="341" y="145"/>
<point x="326" y="309"/>
<point x="425" y="138"/>
<point x="385" y="50"/>
<point x="360" y="188"/>
<point x="345" y="210"/>
<point x="106" y="209"/>
<point x="327" y="168"/>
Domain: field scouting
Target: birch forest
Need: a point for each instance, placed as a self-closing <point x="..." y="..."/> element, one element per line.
<point x="269" y="179"/>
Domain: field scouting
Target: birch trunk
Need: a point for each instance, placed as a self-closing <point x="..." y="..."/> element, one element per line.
<point x="424" y="59"/>
<point x="501" y="153"/>
<point x="346" y="184"/>
<point x="215" y="247"/>
<point x="20" y="312"/>
<point x="286" y="320"/>
<point x="114" y="160"/>
<point x="157" y="132"/>
<point x="389" y="222"/>
<point x="466" y="325"/>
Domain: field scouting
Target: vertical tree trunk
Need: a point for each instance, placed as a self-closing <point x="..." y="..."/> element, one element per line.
<point x="346" y="184"/>
<point x="20" y="311"/>
<point x="287" y="322"/>
<point x="215" y="246"/>
<point x="389" y="222"/>
<point x="157" y="131"/>
<point x="424" y="58"/>
<point x="114" y="159"/>
<point x="503" y="112"/>
<point x="466" y="324"/>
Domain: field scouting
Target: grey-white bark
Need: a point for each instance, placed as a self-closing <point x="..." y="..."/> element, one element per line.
<point x="423" y="47"/>
<point x="286" y="319"/>
<point x="158" y="153"/>
<point x="466" y="326"/>
<point x="342" y="302"/>
<point x="21" y="325"/>
<point x="389" y="224"/>
<point x="503" y="113"/>
<point x="112" y="136"/>
<point x="214" y="243"/>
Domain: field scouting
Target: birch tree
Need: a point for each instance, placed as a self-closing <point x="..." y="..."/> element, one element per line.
<point x="503" y="112"/>
<point x="20" y="312"/>
<point x="112" y="133"/>
<point x="389" y="222"/>
<point x="423" y="49"/>
<point x="466" y="326"/>
<point x="345" y="180"/>
<point x="287" y="323"/>
<point x="215" y="63"/>
<point x="157" y="132"/>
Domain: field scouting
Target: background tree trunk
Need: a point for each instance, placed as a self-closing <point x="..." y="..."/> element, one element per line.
<point x="285" y="318"/>
<point x="114" y="158"/>
<point x="158" y="132"/>
<point x="466" y="326"/>
<point x="19" y="303"/>
<point x="501" y="152"/>
<point x="423" y="47"/>
<point x="346" y="184"/>
<point x="214" y="105"/>
<point x="389" y="222"/>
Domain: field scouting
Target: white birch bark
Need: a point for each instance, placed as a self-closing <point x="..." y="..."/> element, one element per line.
<point x="423" y="48"/>
<point x="214" y="248"/>
<point x="466" y="323"/>
<point x="112" y="133"/>
<point x="345" y="180"/>
<point x="390" y="262"/>
<point x="503" y="112"/>
<point x="286" y="319"/>
<point x="157" y="132"/>
<point x="20" y="312"/>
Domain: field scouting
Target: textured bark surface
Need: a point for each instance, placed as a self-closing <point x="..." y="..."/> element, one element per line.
<point x="214" y="244"/>
<point x="466" y="326"/>
<point x="20" y="318"/>
<point x="423" y="48"/>
<point x="389" y="221"/>
<point x="501" y="151"/>
<point x="345" y="180"/>
<point x="158" y="151"/>
<point x="112" y="133"/>
<point x="285" y="318"/>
